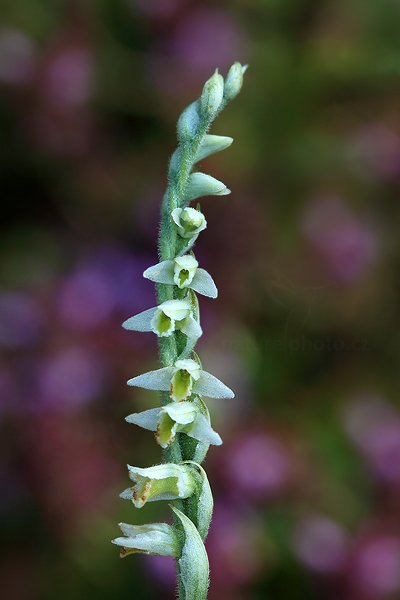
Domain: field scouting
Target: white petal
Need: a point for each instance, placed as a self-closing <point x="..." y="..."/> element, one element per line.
<point x="203" y="431"/>
<point x="140" y="322"/>
<point x="204" y="284"/>
<point x="154" y="538"/>
<point x="210" y="386"/>
<point x="163" y="272"/>
<point x="159" y="380"/>
<point x="186" y="262"/>
<point x="176" y="216"/>
<point x="175" y="309"/>
<point x="189" y="365"/>
<point x="191" y="328"/>
<point x="181" y="412"/>
<point x="148" y="419"/>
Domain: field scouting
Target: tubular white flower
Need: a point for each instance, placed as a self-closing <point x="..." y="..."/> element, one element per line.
<point x="183" y="379"/>
<point x="166" y="318"/>
<point x="168" y="481"/>
<point x="157" y="539"/>
<point x="189" y="221"/>
<point x="183" y="272"/>
<point x="182" y="417"/>
<point x="212" y="144"/>
<point x="201" y="184"/>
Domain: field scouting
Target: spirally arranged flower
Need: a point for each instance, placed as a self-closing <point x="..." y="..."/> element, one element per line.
<point x="182" y="425"/>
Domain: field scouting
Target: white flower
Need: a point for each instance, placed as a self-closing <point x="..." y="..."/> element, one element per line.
<point x="182" y="417"/>
<point x="168" y="481"/>
<point x="183" y="272"/>
<point x="166" y="318"/>
<point x="183" y="379"/>
<point x="189" y="221"/>
<point x="155" y="538"/>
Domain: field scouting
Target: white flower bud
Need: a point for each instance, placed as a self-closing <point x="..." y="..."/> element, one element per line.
<point x="188" y="123"/>
<point x="212" y="144"/>
<point x="212" y="95"/>
<point x="234" y="81"/>
<point x="201" y="184"/>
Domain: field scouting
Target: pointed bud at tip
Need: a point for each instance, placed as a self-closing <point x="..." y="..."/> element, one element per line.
<point x="234" y="81"/>
<point x="212" y="95"/>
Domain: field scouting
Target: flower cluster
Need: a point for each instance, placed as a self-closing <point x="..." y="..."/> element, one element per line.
<point x="182" y="424"/>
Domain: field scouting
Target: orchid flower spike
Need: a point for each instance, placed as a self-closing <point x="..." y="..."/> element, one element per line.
<point x="183" y="379"/>
<point x="183" y="272"/>
<point x="177" y="417"/>
<point x="163" y="320"/>
<point x="158" y="539"/>
<point x="167" y="481"/>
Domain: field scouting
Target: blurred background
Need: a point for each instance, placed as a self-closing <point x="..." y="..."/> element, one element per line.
<point x="305" y="253"/>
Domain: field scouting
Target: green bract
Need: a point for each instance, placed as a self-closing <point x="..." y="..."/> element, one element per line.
<point x="182" y="424"/>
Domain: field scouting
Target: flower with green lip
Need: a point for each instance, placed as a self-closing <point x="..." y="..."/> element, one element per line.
<point x="189" y="222"/>
<point x="182" y="417"/>
<point x="168" y="481"/>
<point x="184" y="378"/>
<point x="166" y="318"/>
<point x="183" y="272"/>
<point x="157" y="539"/>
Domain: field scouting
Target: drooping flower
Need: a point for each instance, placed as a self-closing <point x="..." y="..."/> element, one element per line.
<point x="182" y="417"/>
<point x="189" y="222"/>
<point x="166" y="318"/>
<point x="157" y="539"/>
<point x="183" y="272"/>
<point x="184" y="378"/>
<point x="167" y="481"/>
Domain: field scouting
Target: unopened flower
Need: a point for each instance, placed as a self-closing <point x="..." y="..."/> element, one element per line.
<point x="168" y="481"/>
<point x="189" y="221"/>
<point x="182" y="417"/>
<point x="183" y="379"/>
<point x="183" y="272"/>
<point x="212" y="95"/>
<point x="201" y="184"/>
<point x="212" y="144"/>
<point x="155" y="538"/>
<point x="166" y="318"/>
<point x="234" y="81"/>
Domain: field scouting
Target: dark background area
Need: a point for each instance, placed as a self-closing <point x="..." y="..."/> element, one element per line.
<point x="305" y="253"/>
